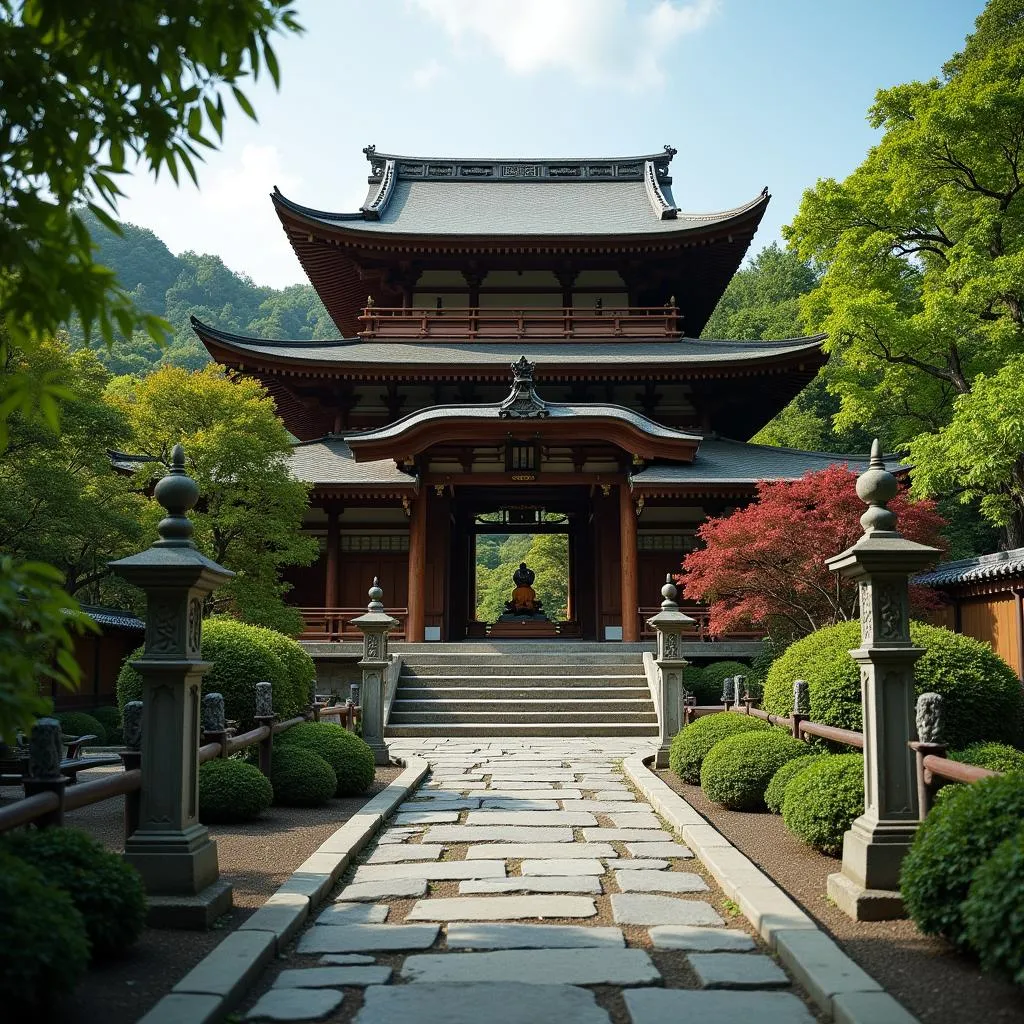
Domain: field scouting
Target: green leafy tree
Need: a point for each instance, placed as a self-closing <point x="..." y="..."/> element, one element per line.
<point x="90" y="90"/>
<point x="547" y="554"/>
<point x="250" y="515"/>
<point x="922" y="244"/>
<point x="979" y="455"/>
<point x="61" y="501"/>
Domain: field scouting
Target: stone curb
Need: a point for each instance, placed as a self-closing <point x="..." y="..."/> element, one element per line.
<point x="220" y="980"/>
<point x="841" y="989"/>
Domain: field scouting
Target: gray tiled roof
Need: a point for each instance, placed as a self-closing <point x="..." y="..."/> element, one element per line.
<point x="1000" y="565"/>
<point x="115" y="618"/>
<point x="522" y="208"/>
<point x="722" y="461"/>
<point x="555" y="410"/>
<point x="329" y="460"/>
<point x="670" y="352"/>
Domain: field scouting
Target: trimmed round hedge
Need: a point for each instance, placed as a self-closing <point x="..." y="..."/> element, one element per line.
<point x="78" y="723"/>
<point x="349" y="756"/>
<point x="775" y="793"/>
<point x="993" y="912"/>
<point x="737" y="770"/>
<point x="997" y="757"/>
<point x="110" y="718"/>
<point x="823" y="800"/>
<point x="715" y="675"/>
<point x="232" y="790"/>
<point x="300" y="778"/>
<point x="105" y="888"/>
<point x="241" y="658"/>
<point x="959" y="834"/>
<point x="300" y="669"/>
<point x="981" y="693"/>
<point x="42" y="934"/>
<point x="691" y="745"/>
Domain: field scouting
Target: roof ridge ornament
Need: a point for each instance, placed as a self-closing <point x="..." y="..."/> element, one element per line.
<point x="523" y="402"/>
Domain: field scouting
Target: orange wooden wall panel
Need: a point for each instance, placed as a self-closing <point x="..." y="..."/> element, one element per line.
<point x="993" y="620"/>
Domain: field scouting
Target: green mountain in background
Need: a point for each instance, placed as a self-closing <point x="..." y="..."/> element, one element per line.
<point x="177" y="287"/>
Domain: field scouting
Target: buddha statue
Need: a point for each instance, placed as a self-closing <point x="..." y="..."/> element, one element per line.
<point x="524" y="597"/>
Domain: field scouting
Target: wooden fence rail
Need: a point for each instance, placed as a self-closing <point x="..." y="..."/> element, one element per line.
<point x="47" y="808"/>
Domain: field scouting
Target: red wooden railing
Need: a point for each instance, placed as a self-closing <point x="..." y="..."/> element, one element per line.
<point x="473" y="322"/>
<point x="335" y="624"/>
<point x="701" y="615"/>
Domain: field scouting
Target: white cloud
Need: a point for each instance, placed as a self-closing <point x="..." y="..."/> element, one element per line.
<point x="244" y="185"/>
<point x="596" y="41"/>
<point x="424" y="77"/>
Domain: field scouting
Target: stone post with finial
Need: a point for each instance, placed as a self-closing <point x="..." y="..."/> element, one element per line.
<point x="170" y="848"/>
<point x="375" y="625"/>
<point x="881" y="563"/>
<point x="669" y="624"/>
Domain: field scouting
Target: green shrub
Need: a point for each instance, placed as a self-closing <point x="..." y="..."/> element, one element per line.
<point x="300" y="778"/>
<point x="993" y="912"/>
<point x="105" y="888"/>
<point x="737" y="770"/>
<point x="822" y="801"/>
<point x="43" y="938"/>
<point x="232" y="790"/>
<point x="960" y="833"/>
<point x="299" y="667"/>
<point x="776" y="791"/>
<point x="691" y="745"/>
<point x="693" y="682"/>
<point x="346" y="753"/>
<point x="241" y="658"/>
<point x="110" y="718"/>
<point x="996" y="757"/>
<point x="78" y="723"/>
<point x="715" y="675"/>
<point x="981" y="693"/>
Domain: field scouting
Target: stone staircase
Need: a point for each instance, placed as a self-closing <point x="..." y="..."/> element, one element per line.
<point x="523" y="689"/>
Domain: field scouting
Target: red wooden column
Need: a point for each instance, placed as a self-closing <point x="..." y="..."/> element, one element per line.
<point x="333" y="554"/>
<point x="417" y="568"/>
<point x="628" y="556"/>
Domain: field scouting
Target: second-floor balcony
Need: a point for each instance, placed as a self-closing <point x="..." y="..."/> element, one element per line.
<point x="473" y="323"/>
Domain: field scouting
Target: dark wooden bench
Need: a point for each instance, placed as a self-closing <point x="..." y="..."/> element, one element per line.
<point x="14" y="764"/>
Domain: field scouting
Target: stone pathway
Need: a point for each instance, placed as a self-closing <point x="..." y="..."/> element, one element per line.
<point x="524" y="882"/>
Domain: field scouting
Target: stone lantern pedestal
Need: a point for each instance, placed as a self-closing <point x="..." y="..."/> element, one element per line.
<point x="881" y="563"/>
<point x="669" y="624"/>
<point x="375" y="625"/>
<point x="170" y="848"/>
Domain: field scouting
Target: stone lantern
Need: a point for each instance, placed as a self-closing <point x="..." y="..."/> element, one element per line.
<point x="375" y="625"/>
<point x="170" y="848"/>
<point x="669" y="624"/>
<point x="881" y="563"/>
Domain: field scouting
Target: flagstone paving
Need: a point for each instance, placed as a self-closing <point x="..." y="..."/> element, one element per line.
<point x="525" y="881"/>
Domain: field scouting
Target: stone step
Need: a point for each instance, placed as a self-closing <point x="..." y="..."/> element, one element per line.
<point x="485" y="678"/>
<point x="513" y="664"/>
<point x="407" y="691"/>
<point x="514" y="714"/>
<point x="522" y="729"/>
<point x="489" y="705"/>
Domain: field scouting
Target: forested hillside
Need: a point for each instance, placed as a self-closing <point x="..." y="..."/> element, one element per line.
<point x="176" y="287"/>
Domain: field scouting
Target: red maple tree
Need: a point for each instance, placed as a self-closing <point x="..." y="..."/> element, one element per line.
<point x="764" y="566"/>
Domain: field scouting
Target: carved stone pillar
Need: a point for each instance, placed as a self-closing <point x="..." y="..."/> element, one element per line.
<point x="881" y="563"/>
<point x="170" y="848"/>
<point x="375" y="625"/>
<point x="669" y="624"/>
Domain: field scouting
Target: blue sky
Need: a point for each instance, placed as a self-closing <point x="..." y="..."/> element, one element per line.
<point x="751" y="93"/>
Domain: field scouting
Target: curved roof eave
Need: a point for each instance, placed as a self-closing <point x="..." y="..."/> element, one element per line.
<point x="351" y="224"/>
<point x="357" y="352"/>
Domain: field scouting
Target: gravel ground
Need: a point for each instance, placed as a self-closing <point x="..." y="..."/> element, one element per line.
<point x="934" y="983"/>
<point x="256" y="857"/>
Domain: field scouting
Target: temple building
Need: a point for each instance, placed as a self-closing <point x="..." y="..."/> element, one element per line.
<point x="518" y="353"/>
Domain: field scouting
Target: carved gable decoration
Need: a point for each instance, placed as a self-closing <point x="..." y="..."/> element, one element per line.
<point x="523" y="402"/>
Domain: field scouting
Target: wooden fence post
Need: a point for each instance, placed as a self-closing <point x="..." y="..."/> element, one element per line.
<point x="801" y="705"/>
<point x="215" y="726"/>
<point x="131" y="758"/>
<point x="265" y="716"/>
<point x="929" y="721"/>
